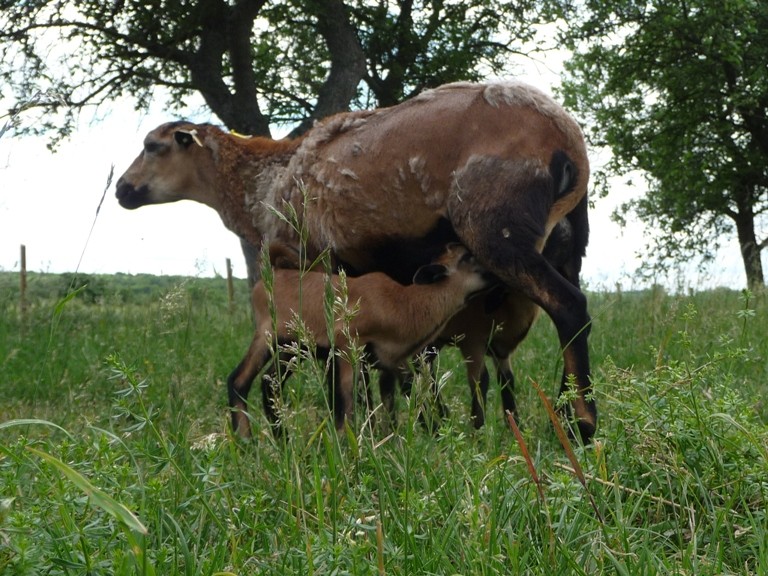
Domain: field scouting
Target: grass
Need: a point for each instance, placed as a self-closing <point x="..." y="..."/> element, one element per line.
<point x="115" y="455"/>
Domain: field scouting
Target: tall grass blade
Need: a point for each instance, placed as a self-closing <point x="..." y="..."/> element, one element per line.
<point x="59" y="308"/>
<point x="566" y="444"/>
<point x="97" y="496"/>
<point x="32" y="422"/>
<point x="526" y="455"/>
<point x="380" y="547"/>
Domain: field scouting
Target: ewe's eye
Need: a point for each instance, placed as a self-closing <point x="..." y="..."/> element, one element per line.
<point x="155" y="147"/>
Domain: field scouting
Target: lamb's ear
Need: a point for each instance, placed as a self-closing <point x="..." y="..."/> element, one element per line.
<point x="430" y="273"/>
<point x="283" y="256"/>
<point x="185" y="138"/>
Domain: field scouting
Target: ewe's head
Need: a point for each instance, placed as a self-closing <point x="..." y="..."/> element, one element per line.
<point x="456" y="270"/>
<point x="171" y="166"/>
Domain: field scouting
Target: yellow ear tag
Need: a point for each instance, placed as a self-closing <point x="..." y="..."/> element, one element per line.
<point x="238" y="134"/>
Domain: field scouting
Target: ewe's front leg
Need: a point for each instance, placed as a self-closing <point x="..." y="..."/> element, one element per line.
<point x="239" y="385"/>
<point x="567" y="307"/>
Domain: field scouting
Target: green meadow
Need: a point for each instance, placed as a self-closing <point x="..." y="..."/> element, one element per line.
<point x="116" y="455"/>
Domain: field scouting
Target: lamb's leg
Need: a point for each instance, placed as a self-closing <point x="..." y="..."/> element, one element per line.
<point x="240" y="381"/>
<point x="436" y="400"/>
<point x="364" y="394"/>
<point x="519" y="316"/>
<point x="272" y="390"/>
<point x="387" y="381"/>
<point x="342" y="396"/>
<point x="433" y="411"/>
<point x="506" y="379"/>
<point x="473" y="350"/>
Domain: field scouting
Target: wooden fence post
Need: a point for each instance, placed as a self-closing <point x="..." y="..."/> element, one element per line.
<point x="230" y="286"/>
<point x="23" y="281"/>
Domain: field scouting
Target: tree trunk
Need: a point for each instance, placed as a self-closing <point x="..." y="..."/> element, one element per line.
<point x="347" y="61"/>
<point x="750" y="249"/>
<point x="227" y="30"/>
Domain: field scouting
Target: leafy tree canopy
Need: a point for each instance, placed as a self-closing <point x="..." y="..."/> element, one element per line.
<point x="255" y="62"/>
<point x="679" y="90"/>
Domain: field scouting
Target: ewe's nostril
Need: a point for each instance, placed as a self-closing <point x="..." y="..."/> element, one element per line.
<point x="130" y="197"/>
<point x="122" y="189"/>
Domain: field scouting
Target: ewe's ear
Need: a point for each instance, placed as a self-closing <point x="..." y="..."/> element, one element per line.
<point x="430" y="273"/>
<point x="185" y="138"/>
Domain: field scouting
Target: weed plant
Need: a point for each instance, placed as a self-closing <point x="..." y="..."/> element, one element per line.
<point x="116" y="455"/>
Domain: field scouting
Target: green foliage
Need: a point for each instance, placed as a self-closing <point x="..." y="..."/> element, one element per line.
<point x="128" y="402"/>
<point x="254" y="63"/>
<point x="419" y="45"/>
<point x="677" y="90"/>
<point x="42" y="288"/>
<point x="87" y="287"/>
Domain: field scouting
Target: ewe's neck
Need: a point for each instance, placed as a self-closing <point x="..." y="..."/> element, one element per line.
<point x="247" y="175"/>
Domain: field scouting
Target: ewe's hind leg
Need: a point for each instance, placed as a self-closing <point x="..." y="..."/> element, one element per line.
<point x="567" y="307"/>
<point x="566" y="247"/>
<point x="499" y="209"/>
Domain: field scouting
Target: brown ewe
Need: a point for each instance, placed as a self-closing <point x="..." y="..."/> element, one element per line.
<point x="495" y="166"/>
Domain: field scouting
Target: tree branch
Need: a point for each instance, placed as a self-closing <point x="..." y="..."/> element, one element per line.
<point x="347" y="61"/>
<point x="164" y="51"/>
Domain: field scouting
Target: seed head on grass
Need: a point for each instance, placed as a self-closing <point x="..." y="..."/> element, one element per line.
<point x="173" y="304"/>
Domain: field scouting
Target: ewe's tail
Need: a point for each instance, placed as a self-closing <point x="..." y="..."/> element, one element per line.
<point x="567" y="243"/>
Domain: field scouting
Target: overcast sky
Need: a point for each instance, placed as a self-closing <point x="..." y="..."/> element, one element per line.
<point x="48" y="202"/>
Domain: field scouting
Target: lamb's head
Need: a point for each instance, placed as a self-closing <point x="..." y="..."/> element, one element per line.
<point x="457" y="271"/>
<point x="173" y="165"/>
